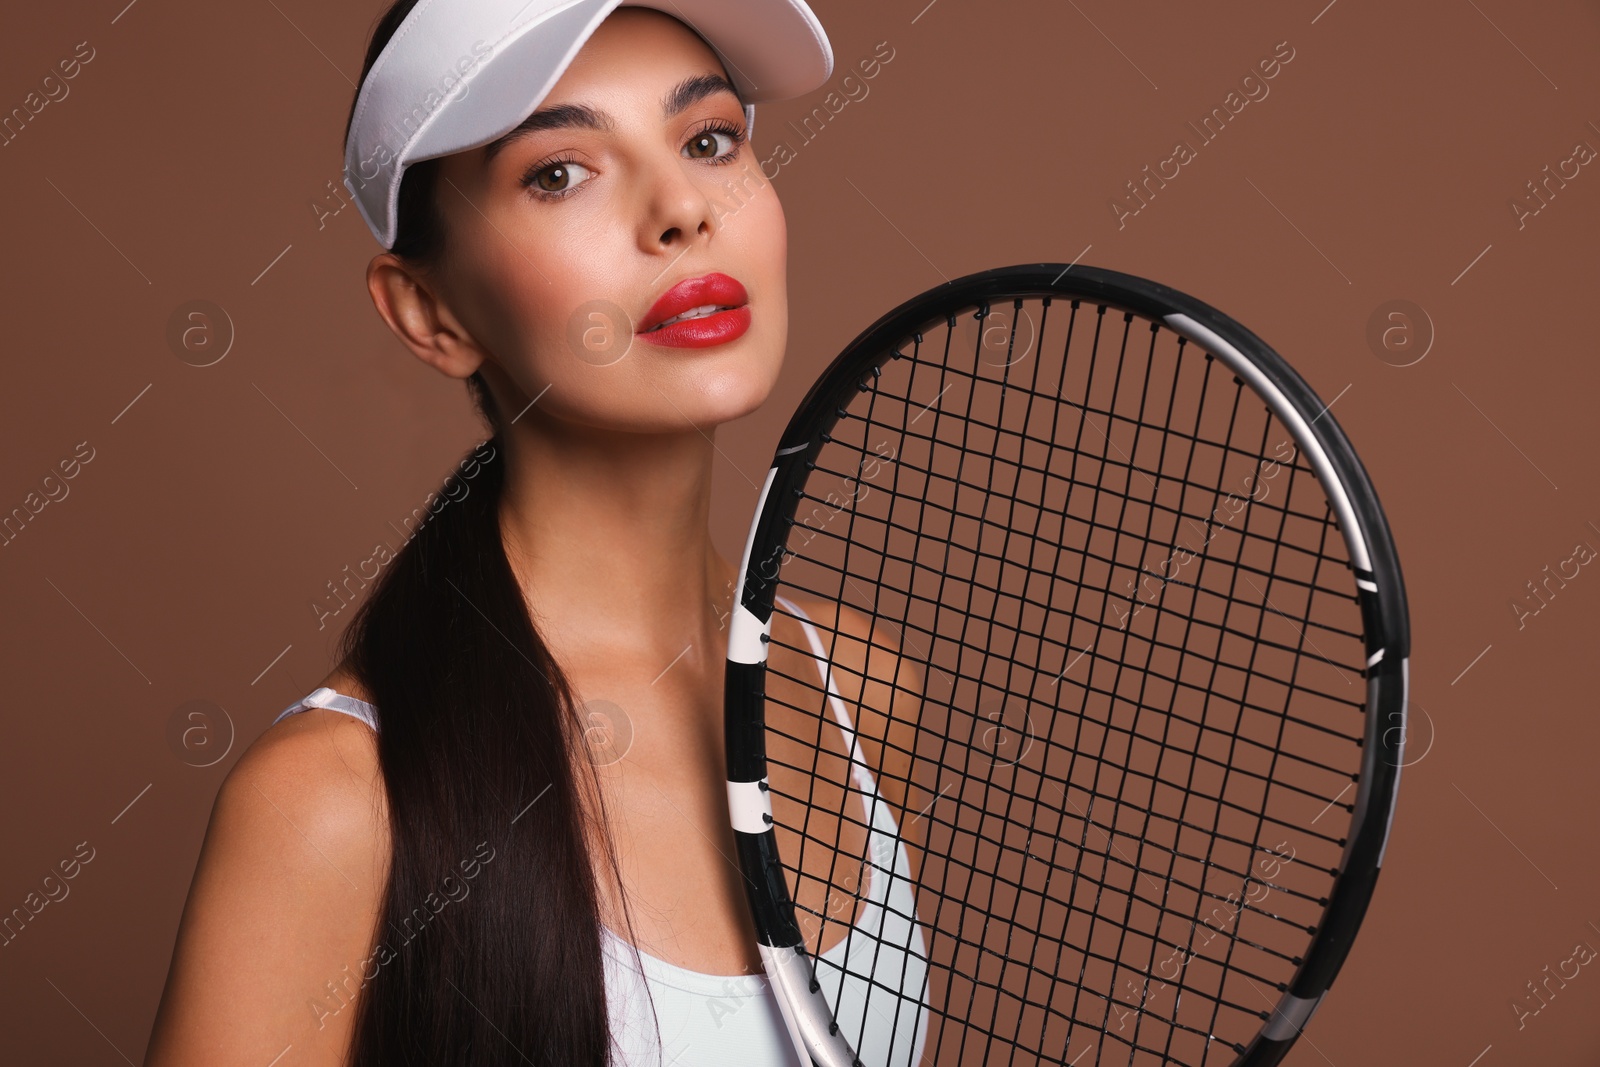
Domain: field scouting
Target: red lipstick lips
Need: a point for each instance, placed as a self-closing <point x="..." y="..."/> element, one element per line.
<point x="715" y="307"/>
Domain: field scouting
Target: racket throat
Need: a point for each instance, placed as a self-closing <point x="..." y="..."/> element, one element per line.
<point x="805" y="1013"/>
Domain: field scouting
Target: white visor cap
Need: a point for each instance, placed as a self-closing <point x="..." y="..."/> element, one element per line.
<point x="459" y="73"/>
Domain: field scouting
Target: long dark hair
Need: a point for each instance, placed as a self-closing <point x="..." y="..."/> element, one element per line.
<point x="483" y="766"/>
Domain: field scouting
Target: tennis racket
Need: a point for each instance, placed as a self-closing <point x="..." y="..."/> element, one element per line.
<point x="1101" y="760"/>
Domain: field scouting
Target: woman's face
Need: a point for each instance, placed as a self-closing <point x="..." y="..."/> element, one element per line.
<point x="562" y="239"/>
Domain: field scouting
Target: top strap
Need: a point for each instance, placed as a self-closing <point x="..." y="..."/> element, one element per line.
<point x="859" y="769"/>
<point x="333" y="700"/>
<point x="879" y="816"/>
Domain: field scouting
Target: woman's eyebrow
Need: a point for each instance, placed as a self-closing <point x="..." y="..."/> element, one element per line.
<point x="685" y="94"/>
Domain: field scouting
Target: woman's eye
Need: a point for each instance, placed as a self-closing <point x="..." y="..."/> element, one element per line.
<point x="555" y="178"/>
<point x="704" y="145"/>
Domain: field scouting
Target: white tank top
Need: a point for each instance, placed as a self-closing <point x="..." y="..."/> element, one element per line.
<point x="710" y="1020"/>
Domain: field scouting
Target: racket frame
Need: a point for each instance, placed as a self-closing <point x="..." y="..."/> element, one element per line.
<point x="1360" y="517"/>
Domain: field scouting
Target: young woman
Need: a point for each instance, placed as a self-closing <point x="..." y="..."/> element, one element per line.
<point x="432" y="858"/>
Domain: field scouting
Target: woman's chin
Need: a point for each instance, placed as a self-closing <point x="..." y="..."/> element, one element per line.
<point x="713" y="399"/>
<point x="695" y="404"/>
<point x="731" y="384"/>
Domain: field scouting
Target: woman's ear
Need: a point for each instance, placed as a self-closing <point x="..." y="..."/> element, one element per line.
<point x="418" y="316"/>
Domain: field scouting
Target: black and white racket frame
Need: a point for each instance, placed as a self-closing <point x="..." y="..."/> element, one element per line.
<point x="1360" y="520"/>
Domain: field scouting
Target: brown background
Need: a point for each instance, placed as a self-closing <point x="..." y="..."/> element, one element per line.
<point x="221" y="499"/>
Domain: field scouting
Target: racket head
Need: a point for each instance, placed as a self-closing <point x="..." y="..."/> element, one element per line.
<point x="1320" y="888"/>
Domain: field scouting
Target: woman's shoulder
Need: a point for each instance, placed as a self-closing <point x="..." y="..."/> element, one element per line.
<point x="870" y="659"/>
<point x="291" y="878"/>
<point x="879" y="680"/>
<point x="326" y="764"/>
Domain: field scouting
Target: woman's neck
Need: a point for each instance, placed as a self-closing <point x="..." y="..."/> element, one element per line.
<point x="609" y="535"/>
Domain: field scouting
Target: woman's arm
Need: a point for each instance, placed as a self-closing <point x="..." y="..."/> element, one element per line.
<point x="281" y="913"/>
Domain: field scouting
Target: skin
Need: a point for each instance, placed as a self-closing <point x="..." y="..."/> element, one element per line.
<point x="605" y="521"/>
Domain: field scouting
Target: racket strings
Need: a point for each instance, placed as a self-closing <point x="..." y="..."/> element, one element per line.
<point x="1083" y="851"/>
<point x="1175" y="646"/>
<point x="1026" y="601"/>
<point x="1231" y="945"/>
<point x="951" y="513"/>
<point x="808" y="772"/>
<point x="1221" y="1000"/>
<point x="1121" y="941"/>
<point x="1125" y="463"/>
